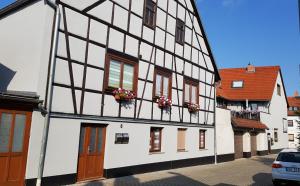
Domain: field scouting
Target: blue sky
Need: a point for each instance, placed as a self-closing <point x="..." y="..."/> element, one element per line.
<point x="263" y="32"/>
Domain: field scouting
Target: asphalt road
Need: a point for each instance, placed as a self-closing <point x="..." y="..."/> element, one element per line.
<point x="254" y="171"/>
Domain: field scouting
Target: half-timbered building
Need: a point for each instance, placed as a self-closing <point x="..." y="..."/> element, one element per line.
<point x="120" y="87"/>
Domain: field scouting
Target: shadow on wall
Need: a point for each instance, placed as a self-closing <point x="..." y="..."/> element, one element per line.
<point x="177" y="179"/>
<point x="6" y="75"/>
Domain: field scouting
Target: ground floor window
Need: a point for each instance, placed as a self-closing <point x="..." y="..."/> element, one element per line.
<point x="291" y="137"/>
<point x="202" y="139"/>
<point x="155" y="139"/>
<point x="181" y="139"/>
<point x="290" y="123"/>
<point x="276" y="135"/>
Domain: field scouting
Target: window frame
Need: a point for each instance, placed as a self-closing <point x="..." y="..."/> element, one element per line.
<point x="179" y="24"/>
<point x="201" y="131"/>
<point x="232" y="83"/>
<point x="191" y="83"/>
<point x="146" y="22"/>
<point x="181" y="129"/>
<point x="276" y="136"/>
<point x="123" y="60"/>
<point x="278" y="89"/>
<point x="293" y="137"/>
<point x="164" y="73"/>
<point x="292" y="125"/>
<point x="151" y="149"/>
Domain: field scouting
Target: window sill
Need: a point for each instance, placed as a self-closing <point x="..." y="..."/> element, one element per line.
<point x="203" y="149"/>
<point x="153" y="153"/>
<point x="182" y="151"/>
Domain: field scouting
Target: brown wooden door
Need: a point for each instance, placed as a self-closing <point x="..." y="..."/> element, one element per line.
<point x="14" y="137"/>
<point x="238" y="145"/>
<point x="253" y="144"/>
<point x="91" y="152"/>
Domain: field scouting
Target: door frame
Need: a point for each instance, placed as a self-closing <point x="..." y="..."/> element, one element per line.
<point x="26" y="139"/>
<point x="100" y="125"/>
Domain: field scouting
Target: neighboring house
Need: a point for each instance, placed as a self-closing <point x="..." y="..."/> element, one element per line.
<point x="155" y="50"/>
<point x="257" y="101"/>
<point x="294" y="120"/>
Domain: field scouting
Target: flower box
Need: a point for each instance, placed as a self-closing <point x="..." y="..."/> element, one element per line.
<point x="164" y="102"/>
<point x="121" y="94"/>
<point x="192" y="107"/>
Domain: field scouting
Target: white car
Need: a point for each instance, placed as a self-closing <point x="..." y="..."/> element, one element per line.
<point x="286" y="167"/>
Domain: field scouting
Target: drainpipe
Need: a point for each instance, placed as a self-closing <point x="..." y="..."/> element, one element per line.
<point x="50" y="92"/>
<point x="215" y="131"/>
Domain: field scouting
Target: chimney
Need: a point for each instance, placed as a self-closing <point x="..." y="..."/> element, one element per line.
<point x="296" y="94"/>
<point x="250" y="68"/>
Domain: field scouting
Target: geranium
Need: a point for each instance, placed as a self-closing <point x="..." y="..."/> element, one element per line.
<point x="192" y="107"/>
<point x="164" y="102"/>
<point x="121" y="94"/>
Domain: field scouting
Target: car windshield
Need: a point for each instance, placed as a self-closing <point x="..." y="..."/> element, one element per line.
<point x="293" y="157"/>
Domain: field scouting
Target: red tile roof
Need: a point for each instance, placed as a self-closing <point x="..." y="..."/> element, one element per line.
<point x="247" y="123"/>
<point x="293" y="102"/>
<point x="257" y="86"/>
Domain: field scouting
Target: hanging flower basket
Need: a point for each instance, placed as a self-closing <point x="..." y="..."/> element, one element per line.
<point x="164" y="102"/>
<point x="121" y="94"/>
<point x="192" y="107"/>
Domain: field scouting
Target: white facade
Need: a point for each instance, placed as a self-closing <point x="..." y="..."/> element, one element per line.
<point x="86" y="35"/>
<point x="294" y="131"/>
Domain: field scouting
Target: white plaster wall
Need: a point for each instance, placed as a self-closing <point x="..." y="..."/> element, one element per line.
<point x="25" y="47"/>
<point x="246" y="142"/>
<point x="34" y="149"/>
<point x="224" y="131"/>
<point x="278" y="111"/>
<point x="62" y="150"/>
<point x="262" y="141"/>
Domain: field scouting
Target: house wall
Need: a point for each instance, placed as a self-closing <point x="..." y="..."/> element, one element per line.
<point x="136" y="152"/>
<point x="278" y="112"/>
<point x="24" y="49"/>
<point x="224" y="132"/>
<point x="294" y="130"/>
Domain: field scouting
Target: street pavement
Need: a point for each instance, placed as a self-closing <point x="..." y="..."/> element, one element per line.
<point x="254" y="171"/>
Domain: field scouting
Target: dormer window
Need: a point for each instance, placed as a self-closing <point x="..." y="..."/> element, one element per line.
<point x="237" y="84"/>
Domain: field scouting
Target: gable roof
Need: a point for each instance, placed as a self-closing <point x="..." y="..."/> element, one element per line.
<point x="19" y="4"/>
<point x="293" y="102"/>
<point x="257" y="86"/>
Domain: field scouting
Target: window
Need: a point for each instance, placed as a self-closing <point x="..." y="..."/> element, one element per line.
<point x="181" y="139"/>
<point x="180" y="31"/>
<point x="162" y="83"/>
<point x="191" y="91"/>
<point x="155" y="139"/>
<point x="278" y="90"/>
<point x="276" y="135"/>
<point x="254" y="106"/>
<point x="149" y="13"/>
<point x="295" y="108"/>
<point x="202" y="139"/>
<point x="291" y="108"/>
<point x="285" y="125"/>
<point x="237" y="84"/>
<point x="121" y="73"/>
<point x="290" y="123"/>
<point x="291" y="137"/>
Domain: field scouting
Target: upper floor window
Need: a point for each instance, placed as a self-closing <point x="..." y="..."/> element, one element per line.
<point x="149" y="13"/>
<point x="155" y="139"/>
<point x="291" y="108"/>
<point x="237" y="84"/>
<point x="278" y="90"/>
<point x="191" y="92"/>
<point x="290" y="123"/>
<point x="162" y="83"/>
<point x="121" y="73"/>
<point x="296" y="108"/>
<point x="180" y="28"/>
